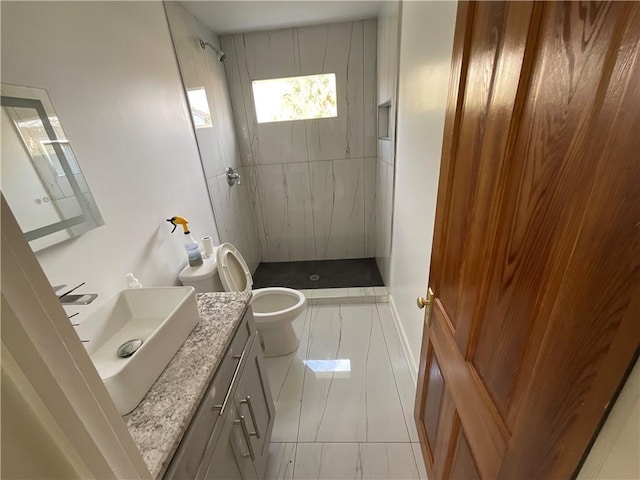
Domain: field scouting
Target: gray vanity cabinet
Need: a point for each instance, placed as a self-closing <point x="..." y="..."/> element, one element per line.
<point x="229" y="435"/>
<point x="231" y="459"/>
<point x="256" y="411"/>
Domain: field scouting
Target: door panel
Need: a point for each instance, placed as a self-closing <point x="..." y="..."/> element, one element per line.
<point x="492" y="72"/>
<point x="463" y="466"/>
<point x="542" y="211"/>
<point x="433" y="402"/>
<point x="484" y="428"/>
<point x="536" y="254"/>
<point x="594" y="313"/>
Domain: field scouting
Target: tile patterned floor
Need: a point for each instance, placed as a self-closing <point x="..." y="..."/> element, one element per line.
<point x="344" y="400"/>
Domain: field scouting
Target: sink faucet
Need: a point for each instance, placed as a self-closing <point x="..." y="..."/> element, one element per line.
<point x="78" y="299"/>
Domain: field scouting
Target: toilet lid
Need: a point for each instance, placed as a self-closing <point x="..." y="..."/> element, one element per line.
<point x="234" y="273"/>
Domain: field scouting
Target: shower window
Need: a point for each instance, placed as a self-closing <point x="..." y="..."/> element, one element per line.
<point x="295" y="98"/>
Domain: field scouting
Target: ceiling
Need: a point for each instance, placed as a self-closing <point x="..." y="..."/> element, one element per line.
<point x="246" y="16"/>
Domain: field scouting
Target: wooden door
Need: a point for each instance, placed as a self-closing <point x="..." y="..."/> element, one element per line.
<point x="536" y="256"/>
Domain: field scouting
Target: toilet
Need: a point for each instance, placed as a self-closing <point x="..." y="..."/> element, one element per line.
<point x="274" y="308"/>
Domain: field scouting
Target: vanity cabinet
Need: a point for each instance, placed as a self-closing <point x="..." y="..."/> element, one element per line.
<point x="255" y="408"/>
<point x="229" y="461"/>
<point x="229" y="435"/>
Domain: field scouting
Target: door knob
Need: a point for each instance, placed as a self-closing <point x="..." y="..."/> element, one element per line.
<point x="426" y="302"/>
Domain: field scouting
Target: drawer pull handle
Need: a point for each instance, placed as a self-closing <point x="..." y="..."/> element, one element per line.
<point x="223" y="407"/>
<point x="247" y="402"/>
<point x="246" y="434"/>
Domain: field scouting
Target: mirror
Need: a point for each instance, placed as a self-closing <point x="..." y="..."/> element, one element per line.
<point x="41" y="178"/>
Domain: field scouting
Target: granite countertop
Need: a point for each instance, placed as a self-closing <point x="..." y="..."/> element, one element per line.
<point x="159" y="422"/>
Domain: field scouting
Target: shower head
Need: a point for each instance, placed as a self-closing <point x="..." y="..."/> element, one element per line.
<point x="219" y="53"/>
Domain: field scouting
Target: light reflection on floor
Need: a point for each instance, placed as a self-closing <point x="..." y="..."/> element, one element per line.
<point x="338" y="368"/>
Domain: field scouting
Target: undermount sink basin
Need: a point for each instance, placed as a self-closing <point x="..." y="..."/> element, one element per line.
<point x="161" y="317"/>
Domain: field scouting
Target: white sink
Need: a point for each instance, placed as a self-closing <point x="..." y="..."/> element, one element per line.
<point x="161" y="317"/>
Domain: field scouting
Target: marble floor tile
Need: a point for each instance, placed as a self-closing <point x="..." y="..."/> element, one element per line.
<point x="401" y="371"/>
<point x="349" y="392"/>
<point x="286" y="377"/>
<point x="355" y="461"/>
<point x="280" y="464"/>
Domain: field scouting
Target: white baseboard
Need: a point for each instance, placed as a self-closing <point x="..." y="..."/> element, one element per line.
<point x="413" y="367"/>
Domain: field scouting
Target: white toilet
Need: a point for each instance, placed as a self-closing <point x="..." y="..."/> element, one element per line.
<point x="274" y="308"/>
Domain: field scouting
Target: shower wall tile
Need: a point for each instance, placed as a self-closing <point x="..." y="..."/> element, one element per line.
<point x="218" y="144"/>
<point x="268" y="55"/>
<point x="285" y="195"/>
<point x="233" y="46"/>
<point x="370" y="194"/>
<point x="386" y="150"/>
<point x="296" y="170"/>
<point x="200" y="69"/>
<point x="272" y="54"/>
<point x="337" y="196"/>
<point x="234" y="217"/>
<point x="248" y="228"/>
<point x="369" y="91"/>
<point x="339" y="49"/>
<point x="280" y="142"/>
<point x="227" y="153"/>
<point x="384" y="209"/>
<point x="256" y="207"/>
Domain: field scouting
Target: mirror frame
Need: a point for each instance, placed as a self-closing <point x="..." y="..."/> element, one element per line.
<point x="9" y="100"/>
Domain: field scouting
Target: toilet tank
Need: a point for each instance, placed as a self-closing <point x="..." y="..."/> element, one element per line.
<point x="204" y="278"/>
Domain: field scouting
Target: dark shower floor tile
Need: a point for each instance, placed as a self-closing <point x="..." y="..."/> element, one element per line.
<point x="358" y="272"/>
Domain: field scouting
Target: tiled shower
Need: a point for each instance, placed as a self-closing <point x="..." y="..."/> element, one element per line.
<point x="311" y="189"/>
<point x="312" y="181"/>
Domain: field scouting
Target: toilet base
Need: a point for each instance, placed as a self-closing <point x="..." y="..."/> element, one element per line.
<point x="279" y="341"/>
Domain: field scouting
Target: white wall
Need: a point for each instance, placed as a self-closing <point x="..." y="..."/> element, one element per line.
<point x="218" y="144"/>
<point x="425" y="59"/>
<point x="387" y="72"/>
<point x="112" y="76"/>
<point x="312" y="181"/>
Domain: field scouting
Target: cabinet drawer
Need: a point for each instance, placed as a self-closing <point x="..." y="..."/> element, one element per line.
<point x="187" y="460"/>
<point x="221" y="384"/>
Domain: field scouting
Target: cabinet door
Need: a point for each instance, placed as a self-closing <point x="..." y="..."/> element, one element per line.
<point x="255" y="406"/>
<point x="231" y="459"/>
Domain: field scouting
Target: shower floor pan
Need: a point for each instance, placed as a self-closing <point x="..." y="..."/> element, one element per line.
<point x="358" y="272"/>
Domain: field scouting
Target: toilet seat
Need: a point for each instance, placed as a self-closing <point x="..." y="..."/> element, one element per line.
<point x="233" y="270"/>
<point x="277" y="304"/>
<point x="274" y="308"/>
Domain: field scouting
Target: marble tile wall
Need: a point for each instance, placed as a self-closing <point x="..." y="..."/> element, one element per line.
<point x="312" y="183"/>
<point x="387" y="71"/>
<point x="218" y="144"/>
